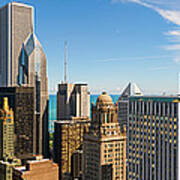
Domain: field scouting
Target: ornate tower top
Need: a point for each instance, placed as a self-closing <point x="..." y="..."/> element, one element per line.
<point x="5" y="104"/>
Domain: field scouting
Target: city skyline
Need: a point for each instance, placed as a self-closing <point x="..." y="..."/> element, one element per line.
<point x="110" y="36"/>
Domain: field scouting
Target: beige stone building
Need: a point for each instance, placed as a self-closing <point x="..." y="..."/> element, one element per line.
<point x="68" y="138"/>
<point x="104" y="147"/>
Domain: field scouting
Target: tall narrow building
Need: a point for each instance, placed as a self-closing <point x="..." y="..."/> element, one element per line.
<point x="104" y="146"/>
<point x="7" y="158"/>
<point x="123" y="106"/>
<point x="73" y="100"/>
<point x="73" y="112"/>
<point x="7" y="132"/>
<point x="123" y="103"/>
<point x="23" y="62"/>
<point x="68" y="138"/>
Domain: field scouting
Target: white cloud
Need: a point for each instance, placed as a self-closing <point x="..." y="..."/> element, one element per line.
<point x="173" y="33"/>
<point x="168" y="10"/>
<point x="173" y="36"/>
<point x="173" y="47"/>
<point x="177" y="60"/>
<point x="159" y="68"/>
<point x="170" y="15"/>
<point x="134" y="58"/>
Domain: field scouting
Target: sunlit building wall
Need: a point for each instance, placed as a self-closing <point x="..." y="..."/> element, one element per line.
<point x="153" y="138"/>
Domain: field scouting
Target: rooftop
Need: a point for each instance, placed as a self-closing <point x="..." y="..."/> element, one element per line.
<point x="156" y="98"/>
<point x="17" y="4"/>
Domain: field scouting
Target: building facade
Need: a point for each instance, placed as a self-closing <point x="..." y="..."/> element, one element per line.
<point x="104" y="147"/>
<point x="21" y="100"/>
<point x="7" y="132"/>
<point x="73" y="100"/>
<point x="153" y="138"/>
<point x="76" y="164"/>
<point x="68" y="137"/>
<point x="23" y="62"/>
<point x="43" y="169"/>
<point x="123" y="106"/>
<point x="7" y="158"/>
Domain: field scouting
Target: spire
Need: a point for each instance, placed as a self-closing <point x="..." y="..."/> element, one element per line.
<point x="127" y="91"/>
<point x="65" y="63"/>
<point x="5" y="105"/>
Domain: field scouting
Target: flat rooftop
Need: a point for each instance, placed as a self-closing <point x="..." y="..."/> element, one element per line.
<point x="156" y="98"/>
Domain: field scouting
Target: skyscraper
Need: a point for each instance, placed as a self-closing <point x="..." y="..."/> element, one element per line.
<point x="153" y="127"/>
<point x="7" y="132"/>
<point x="21" y="100"/>
<point x="7" y="158"/>
<point x="123" y="106"/>
<point x="68" y="138"/>
<point x="123" y="103"/>
<point x="23" y="62"/>
<point x="73" y="100"/>
<point x="73" y="111"/>
<point x="104" y="146"/>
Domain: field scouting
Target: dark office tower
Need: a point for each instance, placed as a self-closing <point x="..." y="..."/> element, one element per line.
<point x="21" y="100"/>
<point x="76" y="164"/>
<point x="153" y="138"/>
<point x="23" y="62"/>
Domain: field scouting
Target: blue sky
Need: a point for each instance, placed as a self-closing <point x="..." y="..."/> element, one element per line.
<point x="111" y="42"/>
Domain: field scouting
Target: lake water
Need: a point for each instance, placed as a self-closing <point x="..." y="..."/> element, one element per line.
<point x="53" y="111"/>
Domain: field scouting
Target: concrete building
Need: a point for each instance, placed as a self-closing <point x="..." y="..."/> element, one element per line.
<point x="43" y="169"/>
<point x="123" y="103"/>
<point x="73" y="100"/>
<point x="23" y="62"/>
<point x="104" y="147"/>
<point x="68" y="137"/>
<point x="153" y="138"/>
<point x="123" y="106"/>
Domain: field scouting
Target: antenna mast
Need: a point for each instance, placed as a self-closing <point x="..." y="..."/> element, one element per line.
<point x="65" y="63"/>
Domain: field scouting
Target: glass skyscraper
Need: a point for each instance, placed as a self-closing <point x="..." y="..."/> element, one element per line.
<point x="23" y="63"/>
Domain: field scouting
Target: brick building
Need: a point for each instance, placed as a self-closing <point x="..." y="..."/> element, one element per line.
<point x="43" y="169"/>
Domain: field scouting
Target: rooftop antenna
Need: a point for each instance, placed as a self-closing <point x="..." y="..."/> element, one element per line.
<point x="65" y="63"/>
<point x="178" y="84"/>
